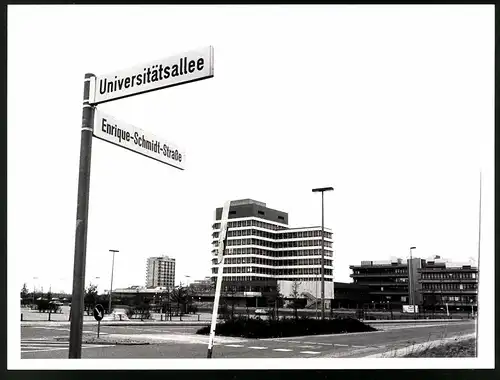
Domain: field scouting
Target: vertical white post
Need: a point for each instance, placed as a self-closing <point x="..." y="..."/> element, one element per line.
<point x="222" y="243"/>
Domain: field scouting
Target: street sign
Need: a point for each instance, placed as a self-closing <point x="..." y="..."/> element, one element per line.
<point x="135" y="139"/>
<point x="179" y="69"/>
<point x="98" y="312"/>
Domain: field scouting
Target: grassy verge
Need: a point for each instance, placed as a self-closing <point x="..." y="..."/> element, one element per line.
<point x="460" y="349"/>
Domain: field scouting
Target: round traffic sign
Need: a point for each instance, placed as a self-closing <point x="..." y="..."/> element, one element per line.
<point x="98" y="312"/>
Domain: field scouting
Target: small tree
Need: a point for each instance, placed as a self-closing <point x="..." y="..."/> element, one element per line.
<point x="24" y="294"/>
<point x="232" y="293"/>
<point x="295" y="298"/>
<point x="90" y="297"/>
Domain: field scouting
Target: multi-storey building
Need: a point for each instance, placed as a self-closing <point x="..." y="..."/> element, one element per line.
<point x="263" y="252"/>
<point x="160" y="272"/>
<point x="445" y="283"/>
<point x="389" y="281"/>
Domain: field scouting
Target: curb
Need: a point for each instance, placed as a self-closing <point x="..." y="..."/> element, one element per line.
<point x="110" y="323"/>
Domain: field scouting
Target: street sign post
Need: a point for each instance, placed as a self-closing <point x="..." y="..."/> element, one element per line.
<point x="179" y="69"/>
<point x="220" y="256"/>
<point x="98" y="315"/>
<point x="127" y="136"/>
<point x="183" y="68"/>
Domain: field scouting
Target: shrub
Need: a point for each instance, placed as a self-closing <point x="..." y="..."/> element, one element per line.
<point x="258" y="328"/>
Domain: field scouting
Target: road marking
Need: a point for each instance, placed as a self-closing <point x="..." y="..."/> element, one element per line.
<point x="305" y="346"/>
<point x="233" y="345"/>
<point x="341" y="345"/>
<point x="282" y="349"/>
<point x="258" y="348"/>
<point x="358" y="346"/>
<point x="310" y="352"/>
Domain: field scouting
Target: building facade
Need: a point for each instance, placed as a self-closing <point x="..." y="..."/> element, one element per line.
<point x="264" y="253"/>
<point x="389" y="281"/>
<point x="449" y="285"/>
<point x="160" y="272"/>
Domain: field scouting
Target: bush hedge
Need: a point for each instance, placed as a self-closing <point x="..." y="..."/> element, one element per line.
<point x="258" y="328"/>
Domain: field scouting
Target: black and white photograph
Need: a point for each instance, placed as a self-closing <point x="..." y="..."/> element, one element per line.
<point x="296" y="186"/>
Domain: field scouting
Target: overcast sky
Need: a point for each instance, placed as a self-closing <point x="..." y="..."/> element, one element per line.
<point x="392" y="106"/>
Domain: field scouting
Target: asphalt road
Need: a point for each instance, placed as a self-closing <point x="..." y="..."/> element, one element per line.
<point x="182" y="342"/>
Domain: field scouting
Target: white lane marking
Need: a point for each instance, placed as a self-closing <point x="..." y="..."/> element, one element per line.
<point x="341" y="345"/>
<point x="258" y="348"/>
<point x="358" y="346"/>
<point x="306" y="346"/>
<point x="310" y="352"/>
<point x="233" y="345"/>
<point x="325" y="344"/>
<point x="282" y="349"/>
<point x="47" y="349"/>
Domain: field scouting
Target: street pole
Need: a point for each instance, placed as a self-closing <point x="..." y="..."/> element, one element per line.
<point x="322" y="255"/>
<point x="112" y="270"/>
<point x="82" y="210"/>
<point x="411" y="284"/>
<point x="322" y="190"/>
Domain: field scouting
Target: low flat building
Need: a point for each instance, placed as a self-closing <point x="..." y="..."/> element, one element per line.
<point x="448" y="284"/>
<point x="389" y="281"/>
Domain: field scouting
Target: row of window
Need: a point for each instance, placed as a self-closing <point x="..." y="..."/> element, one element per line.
<point x="275" y="236"/>
<point x="257" y="278"/>
<point x="275" y="263"/>
<point x="385" y="271"/>
<point x="445" y="286"/>
<point x="265" y="252"/>
<point x="448" y="276"/>
<point x="250" y="223"/>
<point x="274" y="272"/>
<point x="264" y="243"/>
<point x="463" y="299"/>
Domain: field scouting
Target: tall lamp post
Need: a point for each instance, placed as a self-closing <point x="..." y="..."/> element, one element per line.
<point x="34" y="290"/>
<point x="322" y="191"/>
<point x="112" y="270"/>
<point x="411" y="284"/>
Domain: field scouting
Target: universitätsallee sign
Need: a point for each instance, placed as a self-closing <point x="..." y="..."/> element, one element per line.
<point x="179" y="69"/>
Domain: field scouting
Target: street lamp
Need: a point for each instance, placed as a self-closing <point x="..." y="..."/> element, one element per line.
<point x="112" y="270"/>
<point x="34" y="290"/>
<point x="411" y="284"/>
<point x="322" y="191"/>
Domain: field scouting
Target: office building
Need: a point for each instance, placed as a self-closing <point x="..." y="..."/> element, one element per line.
<point x="263" y="253"/>
<point x="448" y="284"/>
<point x="160" y="272"/>
<point x="389" y="281"/>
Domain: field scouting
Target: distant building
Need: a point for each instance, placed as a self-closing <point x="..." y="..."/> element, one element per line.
<point x="263" y="252"/>
<point x="160" y="272"/>
<point x="389" y="281"/>
<point x="446" y="283"/>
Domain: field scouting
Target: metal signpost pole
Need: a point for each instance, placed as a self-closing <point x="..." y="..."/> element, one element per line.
<point x="76" y="326"/>
<point x="222" y="244"/>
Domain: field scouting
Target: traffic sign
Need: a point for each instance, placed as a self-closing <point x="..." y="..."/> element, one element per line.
<point x="135" y="139"/>
<point x="98" y="312"/>
<point x="182" y="68"/>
